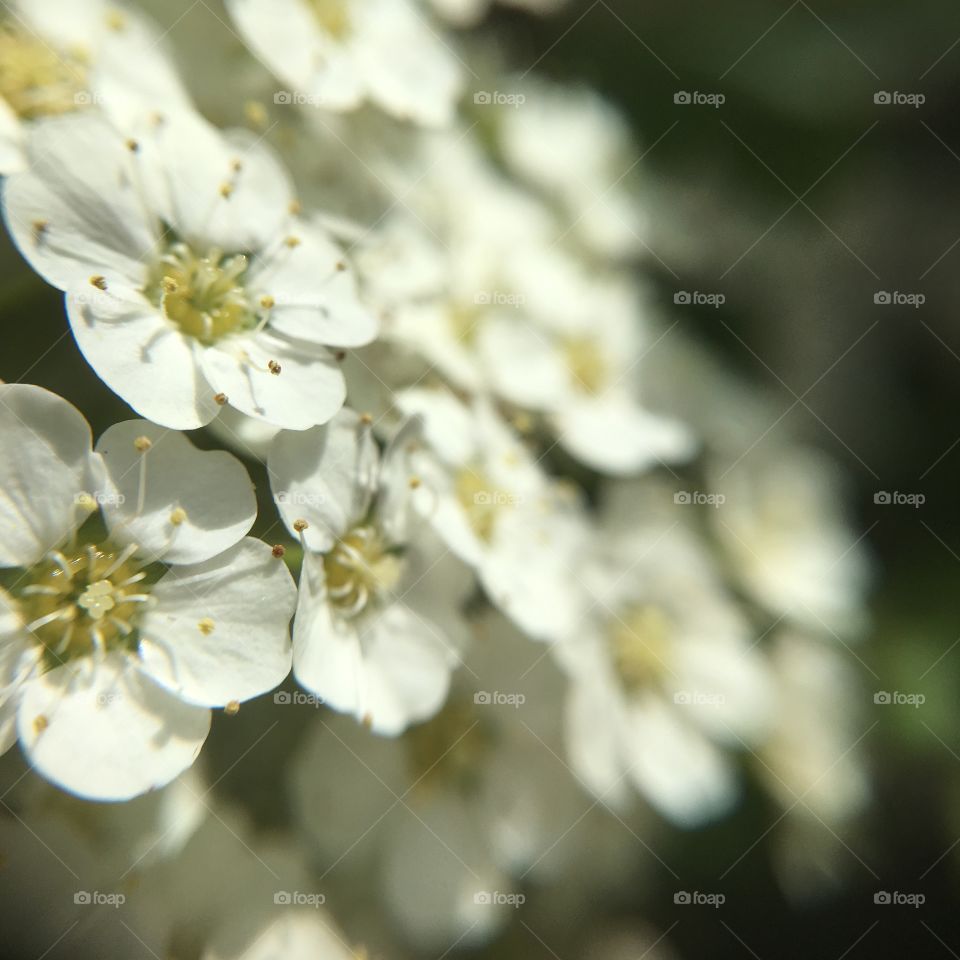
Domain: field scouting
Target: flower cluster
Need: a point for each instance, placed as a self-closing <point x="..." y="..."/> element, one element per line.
<point x="416" y="310"/>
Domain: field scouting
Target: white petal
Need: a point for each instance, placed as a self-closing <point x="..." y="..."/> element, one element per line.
<point x="735" y="702"/>
<point x="186" y="162"/>
<point x="142" y="358"/>
<point x="524" y="364"/>
<point x="219" y="631"/>
<point x="409" y="69"/>
<point x="211" y="487"/>
<point x="315" y="292"/>
<point x="46" y="464"/>
<point x="591" y="740"/>
<point x="77" y="211"/>
<point x="325" y="476"/>
<point x="678" y="770"/>
<point x="308" y="390"/>
<point x="531" y="570"/>
<point x="106" y="732"/>
<point x="613" y="434"/>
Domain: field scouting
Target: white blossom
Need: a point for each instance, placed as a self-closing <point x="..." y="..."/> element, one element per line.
<point x="340" y="54"/>
<point x="664" y="678"/>
<point x="190" y="280"/>
<point x="117" y="639"/>
<point x="378" y="628"/>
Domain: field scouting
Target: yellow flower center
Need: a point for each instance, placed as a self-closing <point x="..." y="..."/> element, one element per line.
<point x="586" y="363"/>
<point x="464" y="319"/>
<point x="481" y="500"/>
<point x="640" y="647"/>
<point x="449" y="750"/>
<point x="332" y="15"/>
<point x="37" y="80"/>
<point x="360" y="570"/>
<point x="203" y="294"/>
<point x="86" y="599"/>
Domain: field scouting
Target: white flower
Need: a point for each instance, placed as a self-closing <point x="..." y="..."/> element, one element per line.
<point x="497" y="305"/>
<point x="340" y="54"/>
<point x="572" y="355"/>
<point x="190" y="282"/>
<point x="446" y="819"/>
<point x="783" y="525"/>
<point x="811" y="755"/>
<point x="814" y="764"/>
<point x="497" y="510"/>
<point x="662" y="673"/>
<point x="117" y="639"/>
<point x="378" y="627"/>
<point x="576" y="148"/>
<point x="62" y="56"/>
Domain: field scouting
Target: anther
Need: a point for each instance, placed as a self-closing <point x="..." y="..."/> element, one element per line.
<point x="340" y="356"/>
<point x="341" y="266"/>
<point x="143" y="444"/>
<point x="40" y="723"/>
<point x="274" y="367"/>
<point x="178" y="516"/>
<point x="169" y="285"/>
<point x="279" y="551"/>
<point x="366" y="419"/>
<point x="226" y="189"/>
<point x="99" y="282"/>
<point x="414" y="482"/>
<point x="300" y="525"/>
<point x="292" y="242"/>
<point x="236" y="165"/>
<point x="295" y="208"/>
<point x="232" y="708"/>
<point x="132" y="145"/>
<point x="205" y="626"/>
<point x="220" y="399"/>
<point x="39" y="230"/>
<point x="267" y="302"/>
